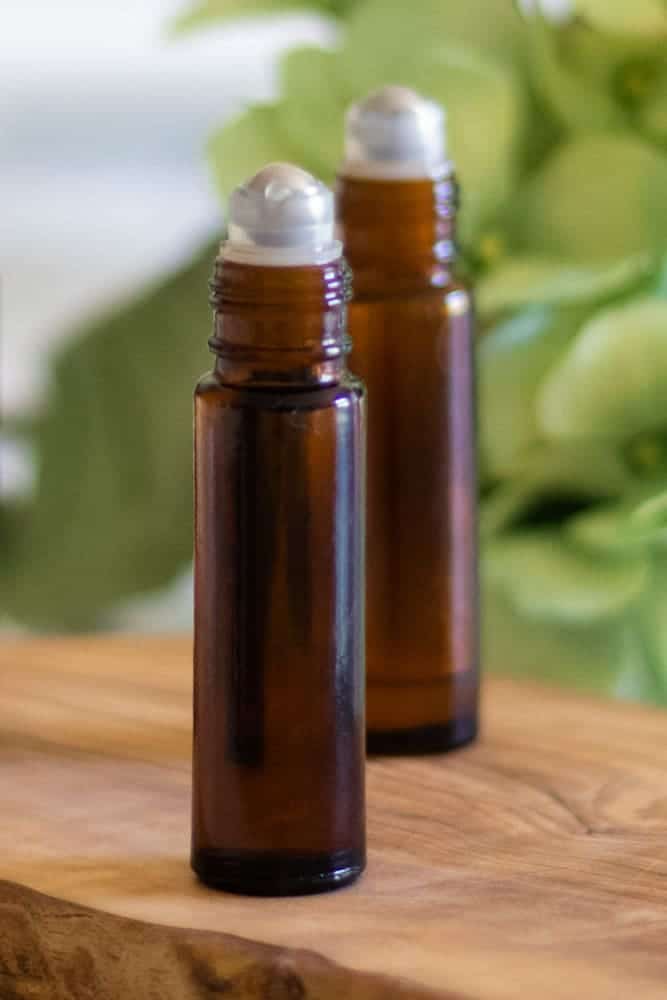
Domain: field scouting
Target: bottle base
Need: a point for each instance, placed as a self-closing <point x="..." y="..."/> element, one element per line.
<point x="423" y="739"/>
<point x="251" y="873"/>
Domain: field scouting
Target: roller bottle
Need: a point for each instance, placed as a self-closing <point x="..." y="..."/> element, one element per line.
<point x="411" y="325"/>
<point x="278" y="770"/>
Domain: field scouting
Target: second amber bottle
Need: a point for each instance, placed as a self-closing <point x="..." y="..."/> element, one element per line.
<point x="412" y="328"/>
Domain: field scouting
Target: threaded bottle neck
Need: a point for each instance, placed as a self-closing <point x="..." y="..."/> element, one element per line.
<point x="280" y="325"/>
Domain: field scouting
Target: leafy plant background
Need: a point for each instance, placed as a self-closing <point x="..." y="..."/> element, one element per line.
<point x="559" y="131"/>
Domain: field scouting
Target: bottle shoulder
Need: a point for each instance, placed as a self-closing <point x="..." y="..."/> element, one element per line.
<point x="349" y="390"/>
<point x="456" y="287"/>
<point x="207" y="383"/>
<point x="430" y="305"/>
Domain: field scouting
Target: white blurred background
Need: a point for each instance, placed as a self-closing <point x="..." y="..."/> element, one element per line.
<point x="104" y="118"/>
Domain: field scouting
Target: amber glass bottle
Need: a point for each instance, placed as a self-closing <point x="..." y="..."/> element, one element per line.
<point x="412" y="329"/>
<point x="278" y="797"/>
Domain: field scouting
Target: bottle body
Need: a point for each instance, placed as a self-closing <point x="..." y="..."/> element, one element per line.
<point x="278" y="768"/>
<point x="412" y="328"/>
<point x="415" y="354"/>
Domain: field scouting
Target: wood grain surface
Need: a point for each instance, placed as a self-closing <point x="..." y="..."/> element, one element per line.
<point x="533" y="865"/>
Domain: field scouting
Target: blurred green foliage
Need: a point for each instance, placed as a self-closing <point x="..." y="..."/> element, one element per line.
<point x="559" y="133"/>
<point x="210" y="11"/>
<point x="112" y="513"/>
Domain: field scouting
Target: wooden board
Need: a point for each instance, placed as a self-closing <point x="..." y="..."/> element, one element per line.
<point x="532" y="865"/>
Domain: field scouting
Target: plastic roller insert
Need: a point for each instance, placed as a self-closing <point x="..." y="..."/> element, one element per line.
<point x="283" y="216"/>
<point x="396" y="134"/>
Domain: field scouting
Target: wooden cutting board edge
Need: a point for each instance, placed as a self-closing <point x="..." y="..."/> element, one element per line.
<point x="52" y="950"/>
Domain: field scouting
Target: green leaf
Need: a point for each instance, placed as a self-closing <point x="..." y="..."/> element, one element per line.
<point x="214" y="11"/>
<point x="245" y="145"/>
<point x="600" y="58"/>
<point x="600" y="530"/>
<point x="12" y="518"/>
<point x="522" y="281"/>
<point x="598" y="197"/>
<point x="591" y="658"/>
<point x="643" y="18"/>
<point x="652" y="117"/>
<point x="648" y="518"/>
<point x="311" y="114"/>
<point x="559" y="80"/>
<point x="619" y="528"/>
<point x="512" y="361"/>
<point x="653" y="511"/>
<point x="650" y="623"/>
<point x="112" y="512"/>
<point x="614" y="72"/>
<point x="386" y="33"/>
<point x="635" y="681"/>
<point x="612" y="381"/>
<point x="547" y="580"/>
<point x="624" y="655"/>
<point x="550" y="481"/>
<point x="660" y="287"/>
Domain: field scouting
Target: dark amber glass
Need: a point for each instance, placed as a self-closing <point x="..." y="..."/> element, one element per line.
<point x="278" y="773"/>
<point x="412" y="329"/>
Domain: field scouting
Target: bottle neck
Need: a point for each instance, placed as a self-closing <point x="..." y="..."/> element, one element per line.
<point x="279" y="326"/>
<point x="399" y="235"/>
